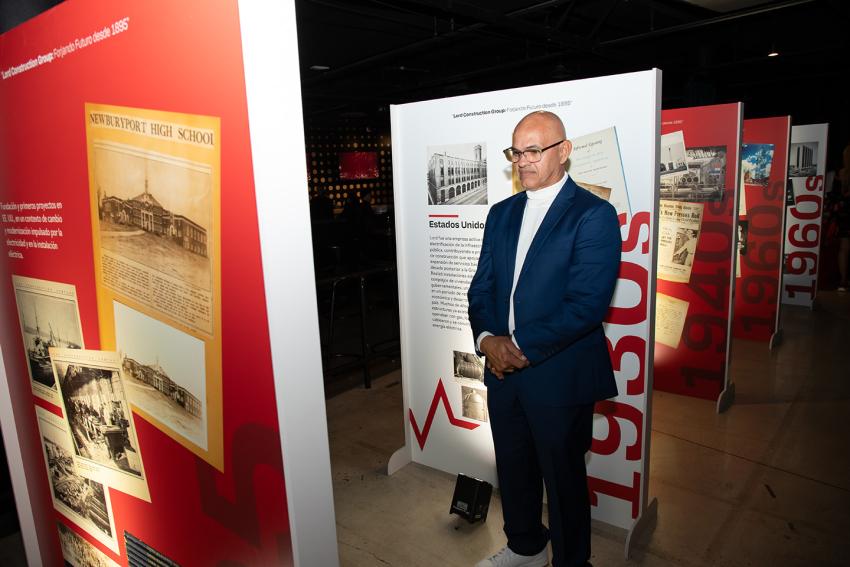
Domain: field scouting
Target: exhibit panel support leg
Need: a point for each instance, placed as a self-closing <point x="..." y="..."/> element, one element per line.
<point x="727" y="398"/>
<point x="399" y="460"/>
<point x="644" y="524"/>
<point x="776" y="339"/>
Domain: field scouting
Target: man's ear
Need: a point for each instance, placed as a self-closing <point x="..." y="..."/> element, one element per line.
<point x="564" y="151"/>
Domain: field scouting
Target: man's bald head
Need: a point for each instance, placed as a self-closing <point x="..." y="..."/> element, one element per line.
<point x="546" y="120"/>
<point x="541" y="130"/>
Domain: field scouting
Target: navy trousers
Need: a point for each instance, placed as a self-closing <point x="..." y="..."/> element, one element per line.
<point x="536" y="444"/>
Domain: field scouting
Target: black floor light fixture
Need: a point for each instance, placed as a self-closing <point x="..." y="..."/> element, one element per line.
<point x="471" y="499"/>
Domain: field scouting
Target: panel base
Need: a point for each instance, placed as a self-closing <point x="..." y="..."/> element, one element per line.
<point x="776" y="339"/>
<point x="398" y="460"/>
<point x="644" y="524"/>
<point x="727" y="398"/>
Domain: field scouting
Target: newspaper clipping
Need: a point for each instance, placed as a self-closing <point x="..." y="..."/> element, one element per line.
<point x="83" y="501"/>
<point x="670" y="314"/>
<point x="154" y="185"/>
<point x="155" y="230"/>
<point x="101" y="424"/>
<point x="49" y="318"/>
<point x="596" y="165"/>
<point x="678" y="234"/>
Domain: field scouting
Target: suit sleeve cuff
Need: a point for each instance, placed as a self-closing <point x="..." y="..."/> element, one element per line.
<point x="480" y="338"/>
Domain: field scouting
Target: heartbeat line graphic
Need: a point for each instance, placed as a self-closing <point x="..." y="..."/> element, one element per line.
<point x="439" y="396"/>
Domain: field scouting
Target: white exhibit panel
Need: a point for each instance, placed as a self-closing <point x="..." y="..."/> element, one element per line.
<point x="270" y="54"/>
<point x="803" y="213"/>
<point x="448" y="170"/>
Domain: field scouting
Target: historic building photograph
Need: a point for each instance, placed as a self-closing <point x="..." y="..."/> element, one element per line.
<point x="164" y="373"/>
<point x="155" y="211"/>
<point x="457" y="174"/>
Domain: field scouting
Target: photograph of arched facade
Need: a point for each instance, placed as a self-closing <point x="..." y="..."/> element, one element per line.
<point x="457" y="174"/>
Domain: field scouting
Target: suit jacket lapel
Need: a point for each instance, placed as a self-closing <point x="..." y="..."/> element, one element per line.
<point x="553" y="216"/>
<point x="512" y="234"/>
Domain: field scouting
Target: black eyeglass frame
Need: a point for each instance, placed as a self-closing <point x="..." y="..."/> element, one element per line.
<point x="512" y="151"/>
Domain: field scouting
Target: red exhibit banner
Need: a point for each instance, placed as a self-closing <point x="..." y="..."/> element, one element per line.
<point x="761" y="211"/>
<point x="131" y="240"/>
<point x="696" y="244"/>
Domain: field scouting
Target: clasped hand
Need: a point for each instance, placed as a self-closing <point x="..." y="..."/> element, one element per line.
<point x="503" y="356"/>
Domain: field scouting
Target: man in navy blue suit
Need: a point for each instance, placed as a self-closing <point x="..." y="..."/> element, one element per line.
<point x="548" y="266"/>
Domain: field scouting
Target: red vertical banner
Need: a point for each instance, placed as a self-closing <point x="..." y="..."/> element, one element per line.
<point x="764" y="164"/>
<point x="696" y="244"/>
<point x="131" y="242"/>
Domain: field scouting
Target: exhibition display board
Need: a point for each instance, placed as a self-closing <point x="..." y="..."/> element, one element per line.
<point x="448" y="170"/>
<point x="159" y="335"/>
<point x="804" y="210"/>
<point x="761" y="213"/>
<point x="699" y="169"/>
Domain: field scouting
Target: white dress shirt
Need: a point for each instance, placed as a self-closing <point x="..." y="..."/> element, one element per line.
<point x="536" y="207"/>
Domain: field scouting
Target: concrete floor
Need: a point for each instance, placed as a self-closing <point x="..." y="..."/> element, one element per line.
<point x="766" y="483"/>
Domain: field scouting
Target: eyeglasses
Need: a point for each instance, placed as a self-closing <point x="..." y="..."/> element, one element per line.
<point x="533" y="155"/>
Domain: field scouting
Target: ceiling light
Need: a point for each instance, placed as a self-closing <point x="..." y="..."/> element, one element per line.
<point x="773" y="54"/>
<point x="319" y="68"/>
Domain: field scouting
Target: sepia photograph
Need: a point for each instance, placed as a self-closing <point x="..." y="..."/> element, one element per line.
<point x="468" y="366"/>
<point x="77" y="552"/>
<point x="163" y="373"/>
<point x="474" y="403"/>
<point x="85" y="497"/>
<point x="457" y="174"/>
<point x="756" y="160"/>
<point x="672" y="153"/>
<point x="156" y="211"/>
<point x="49" y="318"/>
<point x="85" y="501"/>
<point x="98" y="416"/>
<point x="803" y="159"/>
<point x="703" y="180"/>
<point x="100" y="424"/>
<point x="685" y="247"/>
